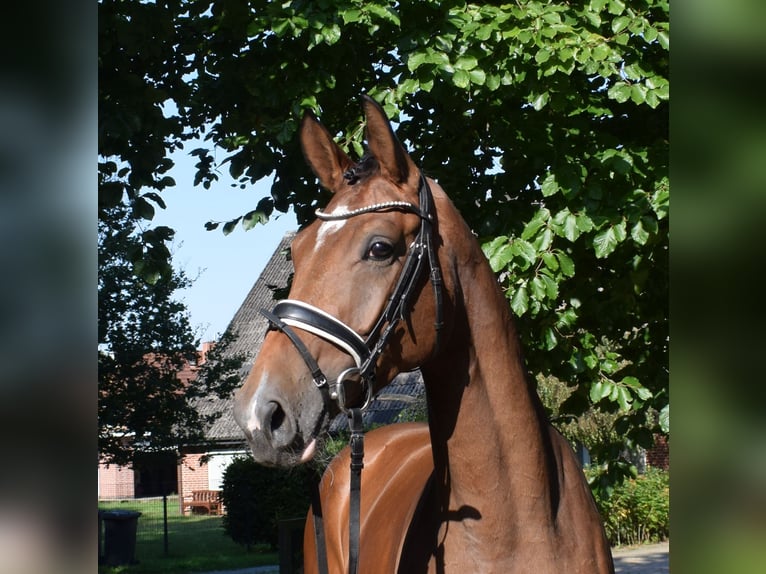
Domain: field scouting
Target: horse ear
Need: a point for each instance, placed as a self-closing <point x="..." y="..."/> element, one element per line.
<point x="395" y="163"/>
<point x="323" y="155"/>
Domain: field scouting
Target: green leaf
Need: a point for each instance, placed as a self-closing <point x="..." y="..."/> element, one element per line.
<point x="606" y="241"/>
<point x="623" y="398"/>
<point x="549" y="186"/>
<point x="545" y="240"/>
<point x="635" y="385"/>
<point x="542" y="56"/>
<point x="664" y="39"/>
<point x="619" y="24"/>
<point x="443" y="43"/>
<point x="643" y="393"/>
<point x="253" y="218"/>
<point x="351" y="16"/>
<point x="501" y="257"/>
<point x="550" y="260"/>
<point x="490" y="247"/>
<point x="620" y="92"/>
<point x="520" y="300"/>
<point x="639" y="234"/>
<point x="166" y="181"/>
<point x="584" y="222"/>
<point x="537" y="288"/>
<point x="477" y="76"/>
<point x="551" y="287"/>
<point x="600" y="52"/>
<point x="638" y="93"/>
<point x="650" y="34"/>
<point x="143" y="209"/>
<point x="600" y="389"/>
<point x="485" y="32"/>
<point x="664" y="419"/>
<point x="229" y="226"/>
<point x="524" y="249"/>
<point x="571" y="232"/>
<point x="461" y="79"/>
<point x="539" y="101"/>
<point x="616" y="7"/>
<point x="466" y="63"/>
<point x="660" y="199"/>
<point x="532" y="227"/>
<point x="566" y="263"/>
<point x="155" y="197"/>
<point x="415" y="60"/>
<point x="549" y="336"/>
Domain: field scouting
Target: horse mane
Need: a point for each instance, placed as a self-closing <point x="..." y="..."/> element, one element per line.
<point x="361" y="170"/>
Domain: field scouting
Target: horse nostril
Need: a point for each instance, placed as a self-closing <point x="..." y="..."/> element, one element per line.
<point x="277" y="417"/>
<point x="271" y="416"/>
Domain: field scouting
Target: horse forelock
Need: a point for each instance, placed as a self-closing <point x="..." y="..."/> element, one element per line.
<point x="364" y="168"/>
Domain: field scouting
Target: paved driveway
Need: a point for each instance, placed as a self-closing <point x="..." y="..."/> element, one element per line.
<point x="648" y="559"/>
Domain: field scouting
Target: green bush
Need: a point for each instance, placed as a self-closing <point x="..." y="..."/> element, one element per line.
<point x="258" y="497"/>
<point x="638" y="510"/>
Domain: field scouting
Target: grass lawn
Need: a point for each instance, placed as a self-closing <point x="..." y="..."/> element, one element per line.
<point x="195" y="543"/>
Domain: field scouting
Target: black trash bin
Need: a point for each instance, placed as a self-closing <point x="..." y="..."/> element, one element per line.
<point x="119" y="536"/>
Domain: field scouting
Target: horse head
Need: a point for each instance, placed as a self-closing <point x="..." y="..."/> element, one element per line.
<point x="358" y="312"/>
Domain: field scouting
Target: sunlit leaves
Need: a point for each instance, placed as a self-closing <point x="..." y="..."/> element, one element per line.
<point x="606" y="241"/>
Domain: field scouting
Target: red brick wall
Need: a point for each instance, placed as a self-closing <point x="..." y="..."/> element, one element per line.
<point x="659" y="455"/>
<point x="115" y="482"/>
<point x="192" y="475"/>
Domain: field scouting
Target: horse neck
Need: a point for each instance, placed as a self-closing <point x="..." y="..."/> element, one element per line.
<point x="489" y="436"/>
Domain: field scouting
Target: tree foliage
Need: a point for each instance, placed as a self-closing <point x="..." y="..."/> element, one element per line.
<point x="546" y="122"/>
<point x="144" y="341"/>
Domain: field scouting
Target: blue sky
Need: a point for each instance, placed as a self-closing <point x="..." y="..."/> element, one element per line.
<point x="224" y="267"/>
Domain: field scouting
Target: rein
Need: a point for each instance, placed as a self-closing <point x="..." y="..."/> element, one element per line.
<point x="289" y="314"/>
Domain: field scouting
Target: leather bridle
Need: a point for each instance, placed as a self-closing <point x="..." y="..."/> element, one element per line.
<point x="291" y="314"/>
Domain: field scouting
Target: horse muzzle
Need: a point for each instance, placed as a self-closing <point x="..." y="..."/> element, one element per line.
<point x="280" y="429"/>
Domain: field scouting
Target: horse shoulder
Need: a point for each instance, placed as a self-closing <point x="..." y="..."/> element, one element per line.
<point x="397" y="464"/>
<point x="577" y="519"/>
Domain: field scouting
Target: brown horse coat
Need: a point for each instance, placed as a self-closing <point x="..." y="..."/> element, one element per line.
<point x="491" y="487"/>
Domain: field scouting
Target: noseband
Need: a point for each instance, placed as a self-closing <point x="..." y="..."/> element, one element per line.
<point x="289" y="314"/>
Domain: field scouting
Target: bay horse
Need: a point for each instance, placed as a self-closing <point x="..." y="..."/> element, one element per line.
<point x="390" y="278"/>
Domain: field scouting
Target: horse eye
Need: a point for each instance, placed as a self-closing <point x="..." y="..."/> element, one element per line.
<point x="380" y="251"/>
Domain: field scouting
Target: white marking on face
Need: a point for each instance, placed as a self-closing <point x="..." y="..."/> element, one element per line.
<point x="327" y="228"/>
<point x="253" y="422"/>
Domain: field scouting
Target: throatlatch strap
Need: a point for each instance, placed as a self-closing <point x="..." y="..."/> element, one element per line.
<point x="355" y="484"/>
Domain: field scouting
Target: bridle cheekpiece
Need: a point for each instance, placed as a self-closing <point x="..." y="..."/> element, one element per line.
<point x="291" y="314"/>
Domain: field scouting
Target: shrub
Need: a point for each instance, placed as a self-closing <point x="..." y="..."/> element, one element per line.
<point x="638" y="510"/>
<point x="258" y="497"/>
